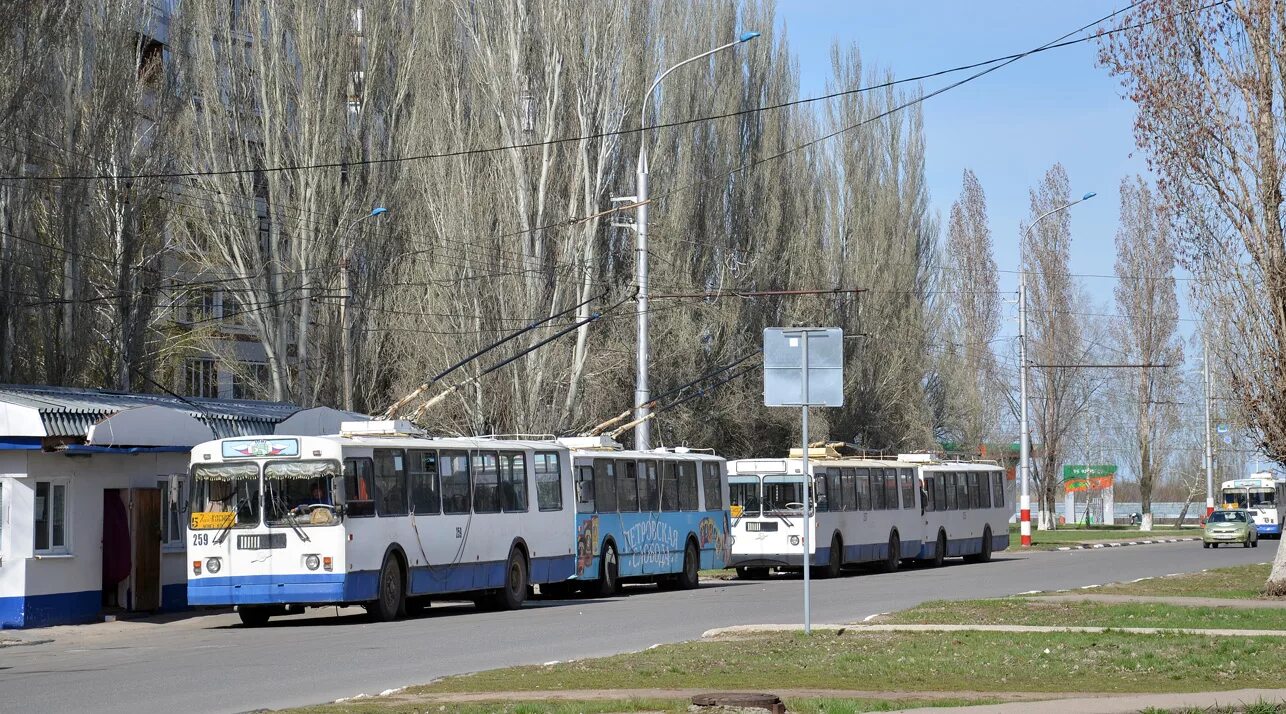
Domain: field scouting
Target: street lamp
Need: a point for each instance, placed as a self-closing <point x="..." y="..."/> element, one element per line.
<point x="1024" y="456"/>
<point x="345" y="329"/>
<point x="642" y="434"/>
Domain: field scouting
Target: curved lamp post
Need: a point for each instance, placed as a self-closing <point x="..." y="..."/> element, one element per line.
<point x="1024" y="457"/>
<point x="345" y="329"/>
<point x="642" y="434"/>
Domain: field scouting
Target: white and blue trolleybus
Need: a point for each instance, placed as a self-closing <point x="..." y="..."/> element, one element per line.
<point x="1258" y="494"/>
<point x="385" y="518"/>
<point x="879" y="511"/>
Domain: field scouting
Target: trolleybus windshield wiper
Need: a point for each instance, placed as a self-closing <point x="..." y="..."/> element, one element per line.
<point x="277" y="505"/>
<point x="236" y="508"/>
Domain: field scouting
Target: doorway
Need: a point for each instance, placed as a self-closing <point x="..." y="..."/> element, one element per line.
<point x="117" y="559"/>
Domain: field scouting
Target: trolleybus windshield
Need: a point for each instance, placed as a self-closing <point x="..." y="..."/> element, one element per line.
<point x="224" y="495"/>
<point x="300" y="492"/>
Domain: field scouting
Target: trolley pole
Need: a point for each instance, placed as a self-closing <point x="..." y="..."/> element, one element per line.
<point x="803" y="461"/>
<point x="1024" y="449"/>
<point x="1210" y="453"/>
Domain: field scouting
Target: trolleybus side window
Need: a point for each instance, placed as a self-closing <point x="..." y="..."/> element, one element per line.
<point x="949" y="486"/>
<point x="908" y="488"/>
<point x="891" y="489"/>
<point x="390" y="482"/>
<point x="584" y="489"/>
<point x="422" y="468"/>
<point x="962" y="492"/>
<point x="940" y="491"/>
<point x="834" y="493"/>
<point x="549" y="491"/>
<point x="863" y="489"/>
<point x="687" y="486"/>
<point x="627" y="486"/>
<point x="486" y="482"/>
<point x="605" y="485"/>
<point x="513" y="482"/>
<point x="998" y="488"/>
<point x="848" y="484"/>
<point x="712" y="485"/>
<point x="984" y="489"/>
<point x="359" y="491"/>
<point x="821" y="499"/>
<point x="647" y="487"/>
<point x="669" y="487"/>
<point x="877" y="490"/>
<point x="930" y="495"/>
<point x="454" y="468"/>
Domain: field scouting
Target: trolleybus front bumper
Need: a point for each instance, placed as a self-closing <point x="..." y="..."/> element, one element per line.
<point x="1269" y="528"/>
<point x="277" y="589"/>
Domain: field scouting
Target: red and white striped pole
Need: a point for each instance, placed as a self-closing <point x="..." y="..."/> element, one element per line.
<point x="1210" y="452"/>
<point x="1024" y="449"/>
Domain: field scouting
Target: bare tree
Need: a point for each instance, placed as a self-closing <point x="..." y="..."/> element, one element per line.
<point x="1208" y="84"/>
<point x="970" y="287"/>
<point x="1060" y="388"/>
<point x="1147" y="332"/>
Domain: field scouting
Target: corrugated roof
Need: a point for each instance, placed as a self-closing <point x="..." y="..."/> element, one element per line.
<point x="70" y="411"/>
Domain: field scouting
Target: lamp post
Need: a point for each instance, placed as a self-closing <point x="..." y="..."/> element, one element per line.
<point x="1024" y="457"/>
<point x="643" y="434"/>
<point x="345" y="329"/>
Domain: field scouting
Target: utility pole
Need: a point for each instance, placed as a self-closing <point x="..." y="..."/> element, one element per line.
<point x="1210" y="453"/>
<point x="1024" y="449"/>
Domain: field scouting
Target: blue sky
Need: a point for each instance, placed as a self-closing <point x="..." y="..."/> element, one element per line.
<point x="1009" y="126"/>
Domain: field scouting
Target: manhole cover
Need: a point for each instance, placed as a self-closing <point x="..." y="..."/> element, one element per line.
<point x="741" y="700"/>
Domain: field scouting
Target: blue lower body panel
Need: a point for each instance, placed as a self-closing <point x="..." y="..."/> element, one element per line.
<point x="1269" y="528"/>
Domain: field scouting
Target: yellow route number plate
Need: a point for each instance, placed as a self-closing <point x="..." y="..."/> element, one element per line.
<point x="736" y="511"/>
<point x="213" y="519"/>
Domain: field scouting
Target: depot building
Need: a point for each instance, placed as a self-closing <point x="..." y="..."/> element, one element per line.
<point x="91" y="491"/>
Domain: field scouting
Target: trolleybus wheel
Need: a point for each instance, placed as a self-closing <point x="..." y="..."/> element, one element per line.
<point x="984" y="555"/>
<point x="390" y="601"/>
<point x="609" y="572"/>
<point x="254" y="616"/>
<point x="688" y="578"/>
<point x="894" y="557"/>
<point x="514" y="593"/>
<point x="835" y="560"/>
<point x="940" y="550"/>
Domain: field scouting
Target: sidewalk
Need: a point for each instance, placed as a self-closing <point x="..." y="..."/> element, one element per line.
<point x="1126" y="704"/>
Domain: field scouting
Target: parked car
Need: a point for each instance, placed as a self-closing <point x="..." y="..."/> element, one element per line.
<point x="1230" y="526"/>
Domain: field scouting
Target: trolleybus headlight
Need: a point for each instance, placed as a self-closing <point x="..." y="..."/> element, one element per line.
<point x="213" y="565"/>
<point x="312" y="562"/>
<point x="794" y="540"/>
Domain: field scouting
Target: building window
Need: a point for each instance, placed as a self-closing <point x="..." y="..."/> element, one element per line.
<point x="171" y="523"/>
<point x="198" y="307"/>
<point x="231" y="309"/>
<point x="250" y="381"/>
<point x="51" y="518"/>
<point x="200" y="378"/>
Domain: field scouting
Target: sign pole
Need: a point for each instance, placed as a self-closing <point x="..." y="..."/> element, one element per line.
<point x="803" y="420"/>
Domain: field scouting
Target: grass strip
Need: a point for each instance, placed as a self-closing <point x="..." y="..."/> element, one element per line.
<point x="915" y="662"/>
<point x="1236" y="582"/>
<point x="1034" y="611"/>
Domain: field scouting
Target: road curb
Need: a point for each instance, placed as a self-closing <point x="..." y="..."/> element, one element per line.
<point x="1126" y="543"/>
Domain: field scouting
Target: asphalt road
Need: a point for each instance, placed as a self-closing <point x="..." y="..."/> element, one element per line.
<point x="212" y="664"/>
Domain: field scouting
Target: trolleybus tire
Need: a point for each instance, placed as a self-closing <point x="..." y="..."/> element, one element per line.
<point x="390" y="600"/>
<point x="940" y="550"/>
<point x="835" y="559"/>
<point x="984" y="555"/>
<point x="514" y="593"/>
<point x="609" y="572"/>
<point x="894" y="556"/>
<point x="689" y="578"/>
<point x="254" y="616"/>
